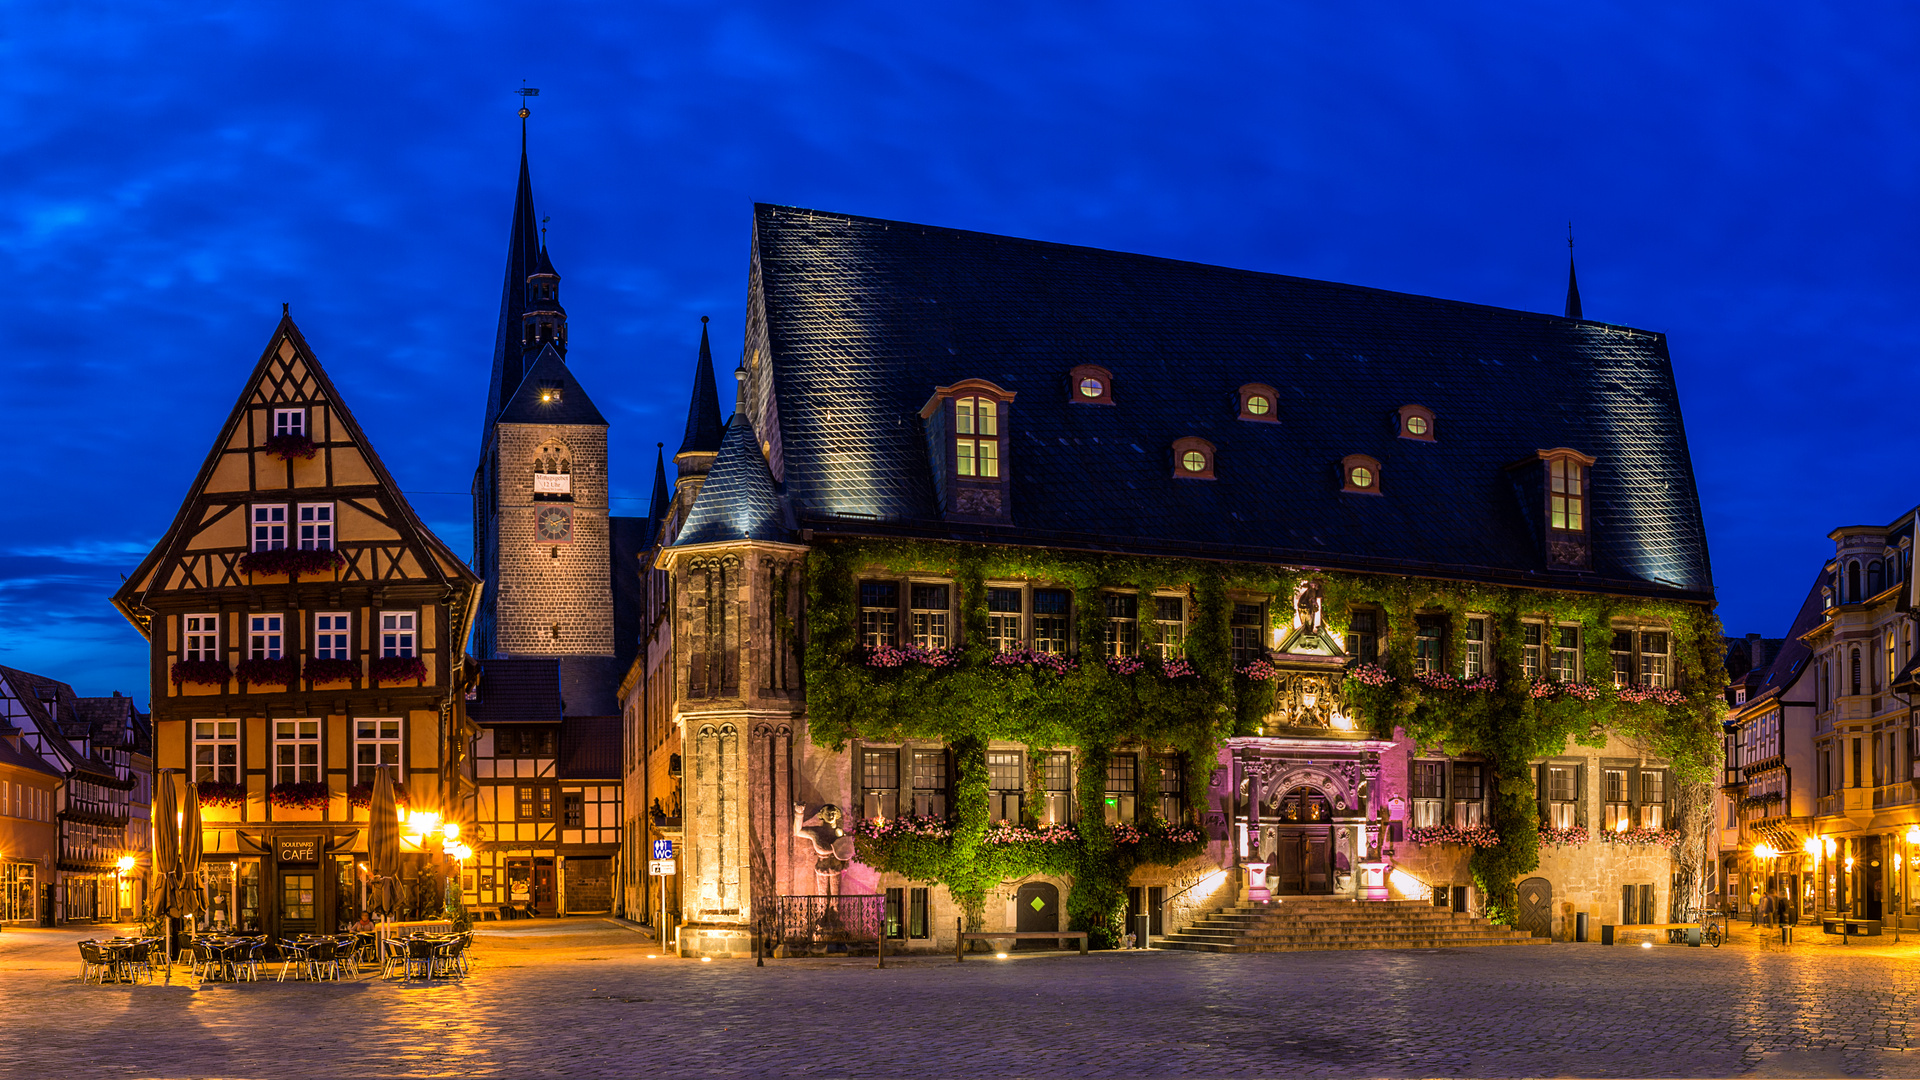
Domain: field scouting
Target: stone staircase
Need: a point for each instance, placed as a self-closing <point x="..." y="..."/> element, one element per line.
<point x="1301" y="924"/>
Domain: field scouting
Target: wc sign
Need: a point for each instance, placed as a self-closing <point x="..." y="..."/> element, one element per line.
<point x="663" y="849"/>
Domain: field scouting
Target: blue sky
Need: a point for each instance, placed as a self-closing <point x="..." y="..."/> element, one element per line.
<point x="1740" y="176"/>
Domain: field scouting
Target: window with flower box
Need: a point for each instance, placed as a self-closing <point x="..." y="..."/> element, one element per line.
<point x="1006" y="785"/>
<point x="1473" y="650"/>
<point x="1004" y="608"/>
<point x="296" y="752"/>
<point x="330" y="635"/>
<point x="1429" y="640"/>
<point x="1641" y="658"/>
<point x="1429" y="793"/>
<point x="1363" y="636"/>
<point x="1653" y="799"/>
<point x="1618" y="812"/>
<point x="397" y="633"/>
<point x="216" y="751"/>
<point x="264" y="637"/>
<point x="1173" y="787"/>
<point x="1057" y="783"/>
<point x="1123" y="786"/>
<point x="879" y="614"/>
<point x="1123" y="624"/>
<point x="1560" y="794"/>
<point x="1170" y="626"/>
<point x="879" y="783"/>
<point x="1469" y="794"/>
<point x="1051" y="608"/>
<point x="1532" y="649"/>
<point x="269" y="527"/>
<point x="289" y="421"/>
<point x="929" y="616"/>
<point x="202" y="638"/>
<point x="1248" y="632"/>
<point x="316" y="526"/>
<point x="930" y="783"/>
<point x="376" y="744"/>
<point x="1565" y="659"/>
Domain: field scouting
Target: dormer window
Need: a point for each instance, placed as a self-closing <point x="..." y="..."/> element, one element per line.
<point x="1192" y="459"/>
<point x="549" y="391"/>
<point x="1564" y="486"/>
<point x="966" y="427"/>
<point x="1259" y="402"/>
<point x="1566" y="490"/>
<point x="1416" y="422"/>
<point x="1359" y="475"/>
<point x="1090" y="384"/>
<point x="289" y="421"/>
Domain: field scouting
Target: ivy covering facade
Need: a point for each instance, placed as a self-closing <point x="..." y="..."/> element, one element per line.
<point x="970" y="696"/>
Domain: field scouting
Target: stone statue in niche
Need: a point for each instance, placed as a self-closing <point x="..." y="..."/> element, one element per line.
<point x="832" y="847"/>
<point x="1308" y="604"/>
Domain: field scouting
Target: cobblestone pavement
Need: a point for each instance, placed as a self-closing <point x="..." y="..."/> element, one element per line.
<point x="590" y="998"/>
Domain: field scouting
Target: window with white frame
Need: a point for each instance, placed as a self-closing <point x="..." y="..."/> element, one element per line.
<point x="879" y="614"/>
<point x="376" y="743"/>
<point x="1123" y="624"/>
<point x="880" y="783"/>
<point x="1429" y="639"/>
<point x="1469" y="794"/>
<point x="1473" y="650"/>
<point x="1532" y="650"/>
<point x="1050" y="608"/>
<point x="296" y="751"/>
<point x="330" y="636"/>
<point x="1565" y="660"/>
<point x="269" y="527"/>
<point x="264" y="637"/>
<point x="1562" y="782"/>
<point x="316" y="526"/>
<point x="396" y="633"/>
<point x="1653" y="799"/>
<point x="928" y="615"/>
<point x="1619" y="809"/>
<point x="930" y="783"/>
<point x="201" y="639"/>
<point x="1057" y="784"/>
<point x="216" y="751"/>
<point x="289" y="421"/>
<point x="1004" y="608"/>
<point x="1170" y="626"/>
<point x="1655" y="663"/>
<point x="1429" y="793"/>
<point x="976" y="449"/>
<point x="1123" y="787"/>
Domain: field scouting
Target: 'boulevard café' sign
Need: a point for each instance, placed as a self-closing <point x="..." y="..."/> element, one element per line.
<point x="298" y="848"/>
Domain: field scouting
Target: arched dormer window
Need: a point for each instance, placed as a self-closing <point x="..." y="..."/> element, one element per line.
<point x="1090" y="384"/>
<point x="1556" y="487"/>
<point x="1360" y="475"/>
<point x="1260" y="403"/>
<point x="1192" y="459"/>
<point x="553" y="472"/>
<point x="967" y="439"/>
<point x="1416" y="422"/>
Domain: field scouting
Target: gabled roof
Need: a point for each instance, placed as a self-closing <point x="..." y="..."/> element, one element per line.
<point x="111" y="721"/>
<point x="517" y="691"/>
<point x="22" y="756"/>
<point x="50" y="704"/>
<point x="590" y="748"/>
<point x="289" y="370"/>
<point x="863" y="318"/>
<point x="565" y="400"/>
<point x="739" y="500"/>
<point x="703" y="410"/>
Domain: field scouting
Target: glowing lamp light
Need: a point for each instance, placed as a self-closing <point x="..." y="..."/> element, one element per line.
<point x="1764" y="851"/>
<point x="1620" y="826"/>
<point x="706" y="959"/>
<point x="125" y="864"/>
<point x="1829" y="847"/>
<point x="1646" y="944"/>
<point x="1342" y="722"/>
<point x="451" y="830"/>
<point x="1812" y="846"/>
<point x="1913" y="834"/>
<point x="1000" y="956"/>
<point x="1849" y="864"/>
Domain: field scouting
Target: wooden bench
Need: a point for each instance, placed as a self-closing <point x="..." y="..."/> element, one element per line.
<point x="1851" y="927"/>
<point x="960" y="947"/>
<point x="1608" y="931"/>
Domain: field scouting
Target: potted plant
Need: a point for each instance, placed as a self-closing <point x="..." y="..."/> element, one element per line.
<point x="388" y="670"/>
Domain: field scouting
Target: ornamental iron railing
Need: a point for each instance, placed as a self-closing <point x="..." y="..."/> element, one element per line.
<point x="806" y="923"/>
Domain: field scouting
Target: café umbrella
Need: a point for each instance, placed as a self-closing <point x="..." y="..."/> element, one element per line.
<point x="383" y="845"/>
<point x="166" y="847"/>
<point x="188" y="900"/>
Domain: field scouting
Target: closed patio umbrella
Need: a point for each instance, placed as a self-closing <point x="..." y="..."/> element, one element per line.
<point x="188" y="899"/>
<point x="383" y="846"/>
<point x="166" y="847"/>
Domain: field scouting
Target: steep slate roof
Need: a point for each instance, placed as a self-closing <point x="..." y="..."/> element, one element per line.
<point x="739" y="500"/>
<point x="590" y="748"/>
<point x="864" y="318"/>
<point x="1787" y="667"/>
<point x="703" y="410"/>
<point x="523" y="248"/>
<point x="24" y="757"/>
<point x="550" y="372"/>
<point x="50" y="703"/>
<point x="517" y="691"/>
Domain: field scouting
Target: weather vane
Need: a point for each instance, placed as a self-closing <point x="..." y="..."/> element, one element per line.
<point x="526" y="92"/>
<point x="1569" y="228"/>
<point x="543" y="230"/>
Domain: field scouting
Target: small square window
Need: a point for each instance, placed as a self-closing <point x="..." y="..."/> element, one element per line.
<point x="316" y="526"/>
<point x="269" y="527"/>
<point x="396" y="633"/>
<point x="289" y="421"/>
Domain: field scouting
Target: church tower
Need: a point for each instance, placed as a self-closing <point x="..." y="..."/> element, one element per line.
<point x="541" y="529"/>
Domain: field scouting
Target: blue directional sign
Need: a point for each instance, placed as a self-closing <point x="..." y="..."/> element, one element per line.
<point x="663" y="849"/>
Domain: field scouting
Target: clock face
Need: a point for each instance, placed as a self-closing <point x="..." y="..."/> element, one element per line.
<point x="555" y="524"/>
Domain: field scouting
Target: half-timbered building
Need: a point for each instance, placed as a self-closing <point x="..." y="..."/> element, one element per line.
<point x="306" y="630"/>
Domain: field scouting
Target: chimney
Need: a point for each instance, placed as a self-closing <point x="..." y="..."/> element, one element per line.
<point x="1757" y="650"/>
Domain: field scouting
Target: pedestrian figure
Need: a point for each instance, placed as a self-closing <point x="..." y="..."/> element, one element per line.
<point x="1771" y="902"/>
<point x="1753" y="904"/>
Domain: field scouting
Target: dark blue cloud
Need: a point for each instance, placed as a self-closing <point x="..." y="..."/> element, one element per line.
<point x="1740" y="177"/>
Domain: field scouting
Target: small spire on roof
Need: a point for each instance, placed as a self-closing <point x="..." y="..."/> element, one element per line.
<point x="1573" y="282"/>
<point x="704" y="427"/>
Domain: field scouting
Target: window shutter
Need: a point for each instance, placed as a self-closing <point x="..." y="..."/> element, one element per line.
<point x="1580" y="795"/>
<point x="1626" y="905"/>
<point x="1540" y="791"/>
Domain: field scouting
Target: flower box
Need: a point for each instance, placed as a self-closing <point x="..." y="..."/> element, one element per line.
<point x="390" y="670"/>
<point x="1662" y="695"/>
<point x="216" y="793"/>
<point x="200" y="673"/>
<point x="302" y="795"/>
<point x="1480" y="836"/>
<point x="1651" y="837"/>
<point x="1370" y="675"/>
<point x="284" y="671"/>
<point x="1040" y="661"/>
<point x="1258" y="670"/>
<point x="1570" y="837"/>
<point x="292" y="562"/>
<point x="1549" y="689"/>
<point x="361" y="795"/>
<point x="288" y="447"/>
<point x="330" y="670"/>
<point x="893" y="656"/>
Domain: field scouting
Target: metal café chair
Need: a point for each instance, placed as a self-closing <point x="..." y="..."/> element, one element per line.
<point x="420" y="956"/>
<point x="394" y="959"/>
<point x="93" y="962"/>
<point x="293" y="957"/>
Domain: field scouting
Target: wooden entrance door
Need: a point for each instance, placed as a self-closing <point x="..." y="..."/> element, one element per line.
<point x="1303" y="862"/>
<point x="1536" y="907"/>
<point x="544" y="896"/>
<point x="1036" y="908"/>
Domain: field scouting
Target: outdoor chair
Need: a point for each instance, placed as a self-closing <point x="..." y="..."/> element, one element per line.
<point x="420" y="956"/>
<point x="394" y="959"/>
<point x="323" y="960"/>
<point x="93" y="962"/>
<point x="291" y="955"/>
<point x="248" y="957"/>
<point x="446" y="956"/>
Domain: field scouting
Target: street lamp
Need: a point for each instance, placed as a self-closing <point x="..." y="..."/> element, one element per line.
<point x="120" y="870"/>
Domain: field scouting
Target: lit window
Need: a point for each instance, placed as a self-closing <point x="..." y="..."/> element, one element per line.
<point x="296" y="751"/>
<point x="289" y="421"/>
<point x="976" y="421"/>
<point x="1532" y="649"/>
<point x="1428" y="637"/>
<point x="216" y="751"/>
<point x="1429" y="793"/>
<point x="879" y="614"/>
<point x="269" y="528"/>
<point x="880" y="783"/>
<point x="1122" y="788"/>
<point x="1050" y="620"/>
<point x="1567" y="503"/>
<point x="1246" y="631"/>
<point x="1257" y="402"/>
<point x="316" y="526"/>
<point x="1416" y="425"/>
<point x="1123" y="625"/>
<point x="1056" y="774"/>
<point x="1361" y="476"/>
<point x="376" y="743"/>
<point x="264" y="636"/>
<point x="1170" y="626"/>
<point x="396" y="633"/>
<point x="202" y="638"/>
<point x="1004" y="608"/>
<point x="1619" y="809"/>
<point x="930" y="783"/>
<point x="1006" y="785"/>
<point x="1653" y="799"/>
<point x="1562" y="796"/>
<point x="330" y="636"/>
<point x="1090" y="384"/>
<point x="929" y="616"/>
<point x="1194" y="461"/>
<point x="1258" y="405"/>
<point x="1653" y="659"/>
<point x="1363" y="637"/>
<point x="1566" y="653"/>
<point x="1091" y="387"/>
<point x="1474" y="656"/>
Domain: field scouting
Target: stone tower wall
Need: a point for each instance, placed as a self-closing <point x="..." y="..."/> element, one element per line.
<point x="542" y="585"/>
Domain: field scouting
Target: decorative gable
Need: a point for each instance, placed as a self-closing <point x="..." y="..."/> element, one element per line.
<point x="967" y="426"/>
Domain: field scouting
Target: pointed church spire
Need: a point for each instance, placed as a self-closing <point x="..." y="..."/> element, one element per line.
<point x="657" y="507"/>
<point x="1573" y="282"/>
<point x="510" y="360"/>
<point x="704" y="429"/>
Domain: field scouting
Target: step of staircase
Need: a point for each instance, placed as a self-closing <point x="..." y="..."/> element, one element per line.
<point x="1311" y="923"/>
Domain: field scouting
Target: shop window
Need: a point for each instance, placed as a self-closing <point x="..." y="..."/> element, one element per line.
<point x="1057" y="783"/>
<point x="879" y="614"/>
<point x="880" y="783"/>
<point x="1004" y="608"/>
<point x="1123" y="624"/>
<point x="1006" y="785"/>
<point x="896" y="926"/>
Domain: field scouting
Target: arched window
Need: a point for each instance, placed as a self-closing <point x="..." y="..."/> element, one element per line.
<point x="1853" y="585"/>
<point x="1856" y="671"/>
<point x="1090" y="384"/>
<point x="1875" y="575"/>
<point x="1416" y="422"/>
<point x="1359" y="475"/>
<point x="1192" y="459"/>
